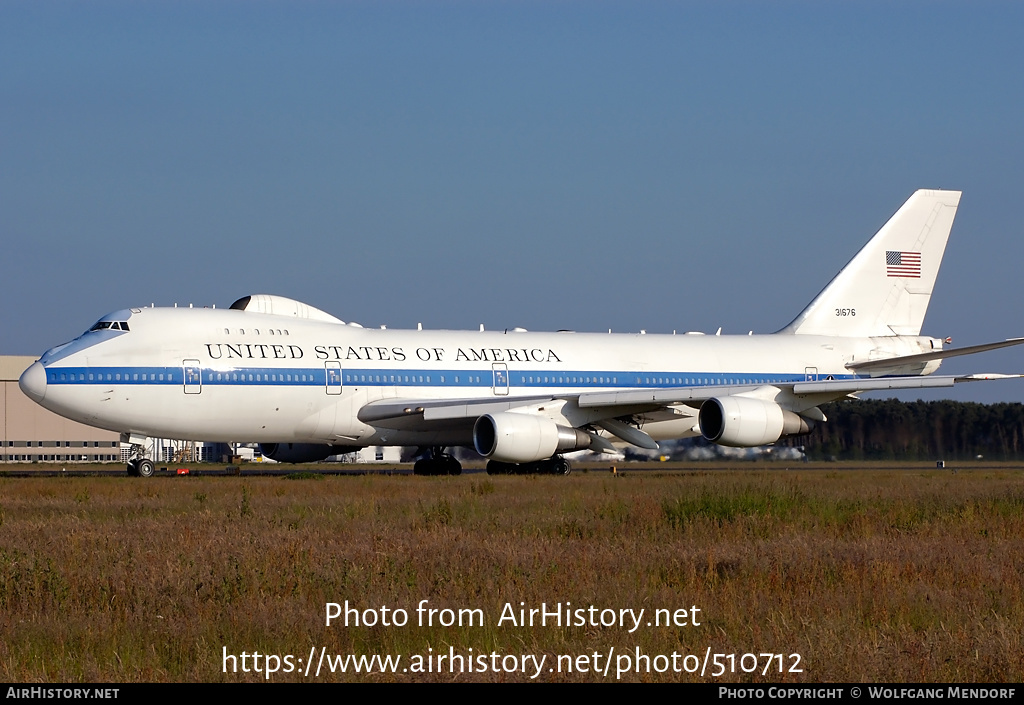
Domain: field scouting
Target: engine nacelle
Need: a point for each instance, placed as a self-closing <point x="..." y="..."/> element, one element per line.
<point x="302" y="452"/>
<point x="524" y="438"/>
<point x="743" y="422"/>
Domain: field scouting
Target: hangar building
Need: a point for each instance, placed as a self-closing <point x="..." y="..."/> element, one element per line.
<point x="32" y="433"/>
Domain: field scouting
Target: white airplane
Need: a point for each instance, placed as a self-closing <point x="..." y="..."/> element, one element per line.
<point x="307" y="385"/>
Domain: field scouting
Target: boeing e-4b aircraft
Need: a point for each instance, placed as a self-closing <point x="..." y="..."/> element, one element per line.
<point x="306" y="385"/>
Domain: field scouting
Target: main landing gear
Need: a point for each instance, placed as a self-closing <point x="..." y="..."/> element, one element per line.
<point x="552" y="466"/>
<point x="140" y="465"/>
<point x="437" y="463"/>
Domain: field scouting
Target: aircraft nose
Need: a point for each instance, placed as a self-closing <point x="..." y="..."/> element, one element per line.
<point x="33" y="382"/>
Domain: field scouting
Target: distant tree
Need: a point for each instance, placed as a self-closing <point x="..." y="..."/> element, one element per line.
<point x="887" y="429"/>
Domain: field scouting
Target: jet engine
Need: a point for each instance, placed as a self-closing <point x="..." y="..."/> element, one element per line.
<point x="524" y="438"/>
<point x="743" y="422"/>
<point x="302" y="452"/>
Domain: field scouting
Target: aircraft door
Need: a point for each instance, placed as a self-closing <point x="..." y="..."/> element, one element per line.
<point x="333" y="370"/>
<point x="193" y="376"/>
<point x="499" y="371"/>
<point x="810" y="374"/>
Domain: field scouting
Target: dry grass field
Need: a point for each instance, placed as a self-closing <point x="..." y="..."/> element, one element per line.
<point x="868" y="574"/>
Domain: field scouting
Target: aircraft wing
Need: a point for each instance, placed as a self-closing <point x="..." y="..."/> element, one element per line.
<point x="411" y="414"/>
<point x="443" y="409"/>
<point x="839" y="387"/>
<point x="852" y="386"/>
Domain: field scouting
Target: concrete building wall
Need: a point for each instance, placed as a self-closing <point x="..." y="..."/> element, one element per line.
<point x="29" y="432"/>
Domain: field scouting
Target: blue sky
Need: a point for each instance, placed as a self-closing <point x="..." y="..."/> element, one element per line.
<point x="584" y="165"/>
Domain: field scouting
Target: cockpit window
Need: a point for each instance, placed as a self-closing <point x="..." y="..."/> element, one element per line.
<point x="110" y="325"/>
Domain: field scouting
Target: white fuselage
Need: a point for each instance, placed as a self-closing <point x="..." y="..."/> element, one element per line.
<point x="227" y="375"/>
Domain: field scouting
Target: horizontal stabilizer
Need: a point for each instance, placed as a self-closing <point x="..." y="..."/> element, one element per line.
<point x="933" y="355"/>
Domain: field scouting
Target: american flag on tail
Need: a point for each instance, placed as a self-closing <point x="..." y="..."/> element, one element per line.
<point x="903" y="264"/>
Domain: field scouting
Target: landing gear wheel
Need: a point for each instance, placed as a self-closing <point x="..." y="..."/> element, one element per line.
<point x="133" y="469"/>
<point x="439" y="464"/>
<point x="145" y="468"/>
<point x="553" y="466"/>
<point x="496" y="467"/>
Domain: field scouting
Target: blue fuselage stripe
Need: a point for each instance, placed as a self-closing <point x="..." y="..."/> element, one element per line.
<point x="484" y="378"/>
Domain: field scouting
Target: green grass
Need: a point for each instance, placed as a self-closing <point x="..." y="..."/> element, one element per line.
<point x="870" y="575"/>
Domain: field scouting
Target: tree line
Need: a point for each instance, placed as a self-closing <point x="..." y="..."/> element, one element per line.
<point x="888" y="429"/>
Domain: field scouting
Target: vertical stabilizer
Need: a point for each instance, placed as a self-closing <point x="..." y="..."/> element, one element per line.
<point x="886" y="287"/>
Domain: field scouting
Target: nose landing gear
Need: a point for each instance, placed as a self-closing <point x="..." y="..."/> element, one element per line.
<point x="140" y="465"/>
